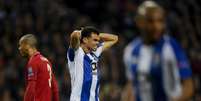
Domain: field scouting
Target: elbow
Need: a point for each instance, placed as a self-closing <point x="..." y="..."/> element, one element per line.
<point x="116" y="38"/>
<point x="189" y="88"/>
<point x="75" y="34"/>
<point x="192" y="90"/>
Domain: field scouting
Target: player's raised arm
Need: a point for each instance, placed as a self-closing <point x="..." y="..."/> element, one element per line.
<point x="75" y="39"/>
<point x="108" y="39"/>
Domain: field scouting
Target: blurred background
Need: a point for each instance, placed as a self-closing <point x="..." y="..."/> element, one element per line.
<point x="52" y="21"/>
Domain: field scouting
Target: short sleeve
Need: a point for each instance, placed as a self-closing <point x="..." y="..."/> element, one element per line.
<point x="182" y="60"/>
<point x="71" y="54"/>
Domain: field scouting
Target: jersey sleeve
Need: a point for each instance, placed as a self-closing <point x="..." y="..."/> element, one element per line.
<point x="70" y="54"/>
<point x="182" y="60"/>
<point x="99" y="50"/>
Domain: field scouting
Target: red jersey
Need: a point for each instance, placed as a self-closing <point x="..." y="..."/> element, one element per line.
<point x="40" y="81"/>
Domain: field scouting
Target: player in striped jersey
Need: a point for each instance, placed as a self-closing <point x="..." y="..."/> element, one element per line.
<point x="156" y="64"/>
<point x="85" y="48"/>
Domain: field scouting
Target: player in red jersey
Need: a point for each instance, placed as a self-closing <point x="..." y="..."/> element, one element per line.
<point x="40" y="81"/>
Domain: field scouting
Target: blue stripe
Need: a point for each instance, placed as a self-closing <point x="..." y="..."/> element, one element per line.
<point x="71" y="54"/>
<point x="97" y="85"/>
<point x="185" y="73"/>
<point x="85" y="95"/>
<point x="183" y="63"/>
<point x="135" y="53"/>
<point x="137" y="98"/>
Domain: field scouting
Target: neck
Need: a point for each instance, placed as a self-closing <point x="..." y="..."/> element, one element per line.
<point x="32" y="52"/>
<point x="86" y="50"/>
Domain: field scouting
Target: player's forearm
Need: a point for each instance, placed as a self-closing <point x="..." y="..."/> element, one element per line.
<point x="187" y="90"/>
<point x="108" y="37"/>
<point x="75" y="39"/>
<point x="30" y="91"/>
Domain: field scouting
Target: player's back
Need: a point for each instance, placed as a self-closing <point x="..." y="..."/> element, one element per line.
<point x="40" y="71"/>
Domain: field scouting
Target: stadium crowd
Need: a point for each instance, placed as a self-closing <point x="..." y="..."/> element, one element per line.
<point x="52" y="21"/>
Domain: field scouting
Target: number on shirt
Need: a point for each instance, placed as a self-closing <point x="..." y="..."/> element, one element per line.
<point x="50" y="74"/>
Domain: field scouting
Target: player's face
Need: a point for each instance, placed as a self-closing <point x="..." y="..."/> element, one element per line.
<point x="155" y="24"/>
<point x="23" y="48"/>
<point x="93" y="41"/>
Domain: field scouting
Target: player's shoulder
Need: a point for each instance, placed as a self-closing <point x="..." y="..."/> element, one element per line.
<point x="134" y="45"/>
<point x="72" y="53"/>
<point x="40" y="59"/>
<point x="172" y="41"/>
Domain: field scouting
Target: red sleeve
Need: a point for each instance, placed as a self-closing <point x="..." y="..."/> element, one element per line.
<point x="55" y="90"/>
<point x="30" y="91"/>
<point x="31" y="83"/>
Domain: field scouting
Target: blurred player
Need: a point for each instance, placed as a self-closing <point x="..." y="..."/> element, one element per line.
<point x="40" y="81"/>
<point x="156" y="64"/>
<point x="83" y="55"/>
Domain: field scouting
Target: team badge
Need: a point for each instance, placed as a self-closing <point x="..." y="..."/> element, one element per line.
<point x="30" y="71"/>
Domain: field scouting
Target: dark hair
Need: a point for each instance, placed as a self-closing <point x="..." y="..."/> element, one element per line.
<point x="87" y="31"/>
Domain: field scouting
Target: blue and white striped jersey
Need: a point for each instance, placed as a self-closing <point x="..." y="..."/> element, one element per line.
<point x="156" y="70"/>
<point x="84" y="74"/>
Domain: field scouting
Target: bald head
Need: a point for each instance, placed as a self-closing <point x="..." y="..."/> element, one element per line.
<point x="29" y="39"/>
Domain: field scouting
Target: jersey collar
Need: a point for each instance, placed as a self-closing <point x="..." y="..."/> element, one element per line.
<point x="35" y="54"/>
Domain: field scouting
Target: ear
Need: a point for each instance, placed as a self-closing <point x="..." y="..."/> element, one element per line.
<point x="85" y="40"/>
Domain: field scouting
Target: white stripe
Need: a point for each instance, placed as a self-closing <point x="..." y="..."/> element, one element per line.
<point x="129" y="59"/>
<point x="93" y="88"/>
<point x="171" y="78"/>
<point x="146" y="53"/>
<point x="145" y="59"/>
<point x="76" y="72"/>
